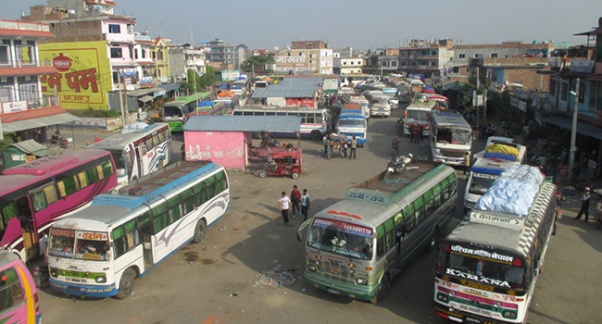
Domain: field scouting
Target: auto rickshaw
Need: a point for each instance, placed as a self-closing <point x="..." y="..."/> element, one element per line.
<point x="282" y="162"/>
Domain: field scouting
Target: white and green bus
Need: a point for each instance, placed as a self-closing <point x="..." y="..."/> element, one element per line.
<point x="100" y="250"/>
<point x="489" y="264"/>
<point x="356" y="246"/>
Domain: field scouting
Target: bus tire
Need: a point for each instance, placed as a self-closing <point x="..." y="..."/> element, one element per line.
<point x="434" y="241"/>
<point x="263" y="173"/>
<point x="295" y="175"/>
<point x="126" y="284"/>
<point x="199" y="231"/>
<point x="382" y="289"/>
<point x="316" y="135"/>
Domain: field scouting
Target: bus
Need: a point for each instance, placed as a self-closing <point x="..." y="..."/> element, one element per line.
<point x="37" y="193"/>
<point x="173" y="112"/>
<point x="216" y="109"/>
<point x="379" y="103"/>
<point x="353" y="80"/>
<point x="352" y="122"/>
<point x="138" y="153"/>
<point x="488" y="265"/>
<point x="450" y="137"/>
<point x="101" y="250"/>
<point x="18" y="293"/>
<point x="356" y="246"/>
<point x="315" y="123"/>
<point x="418" y="114"/>
<point x="357" y="99"/>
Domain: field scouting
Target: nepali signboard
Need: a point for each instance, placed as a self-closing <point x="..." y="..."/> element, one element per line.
<point x="84" y="74"/>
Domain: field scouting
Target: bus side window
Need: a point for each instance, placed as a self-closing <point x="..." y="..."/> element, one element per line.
<point x="8" y="212"/>
<point x="445" y="189"/>
<point x="187" y="198"/>
<point x="428" y="200"/>
<point x="453" y="183"/>
<point x="419" y="209"/>
<point x="159" y="218"/>
<point x="145" y="224"/>
<point x="408" y="216"/>
<point x="174" y="211"/>
<point x="437" y="196"/>
<point x="390" y="234"/>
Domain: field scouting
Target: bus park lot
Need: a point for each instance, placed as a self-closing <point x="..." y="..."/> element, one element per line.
<point x="231" y="277"/>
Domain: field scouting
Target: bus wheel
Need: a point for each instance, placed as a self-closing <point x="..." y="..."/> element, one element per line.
<point x="382" y="290"/>
<point x="295" y="175"/>
<point x="263" y="173"/>
<point x="126" y="284"/>
<point x="199" y="231"/>
<point x="316" y="135"/>
<point x="434" y="241"/>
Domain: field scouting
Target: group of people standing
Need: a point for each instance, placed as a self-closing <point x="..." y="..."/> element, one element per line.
<point x="329" y="147"/>
<point x="298" y="202"/>
<point x="415" y="134"/>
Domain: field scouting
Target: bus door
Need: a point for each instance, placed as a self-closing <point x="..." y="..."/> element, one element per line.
<point x="28" y="226"/>
<point x="140" y="153"/>
<point x="129" y="158"/>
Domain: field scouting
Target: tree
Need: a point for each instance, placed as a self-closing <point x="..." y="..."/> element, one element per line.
<point x="207" y="79"/>
<point x="254" y="61"/>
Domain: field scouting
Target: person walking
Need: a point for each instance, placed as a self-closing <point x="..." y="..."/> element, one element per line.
<point x="466" y="161"/>
<point x="295" y="199"/>
<point x="284" y="204"/>
<point x="585" y="204"/>
<point x="305" y="200"/>
<point x="353" y="147"/>
<point x="325" y="143"/>
<point x="344" y="148"/>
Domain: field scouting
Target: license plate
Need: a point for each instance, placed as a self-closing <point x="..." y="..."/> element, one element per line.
<point x="333" y="291"/>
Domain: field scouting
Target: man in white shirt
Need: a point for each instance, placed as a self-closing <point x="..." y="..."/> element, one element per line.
<point x="284" y="204"/>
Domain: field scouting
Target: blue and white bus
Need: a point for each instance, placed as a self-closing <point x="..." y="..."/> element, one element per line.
<point x="101" y="250"/>
<point x="352" y="122"/>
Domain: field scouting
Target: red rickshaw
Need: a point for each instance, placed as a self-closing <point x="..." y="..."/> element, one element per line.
<point x="282" y="162"/>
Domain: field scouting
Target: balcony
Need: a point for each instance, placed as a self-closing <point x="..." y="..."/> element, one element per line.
<point x="44" y="101"/>
<point x="21" y="67"/>
<point x="120" y="38"/>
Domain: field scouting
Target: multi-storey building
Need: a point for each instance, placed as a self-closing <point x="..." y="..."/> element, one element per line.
<point x="26" y="112"/>
<point x="305" y="58"/>
<point x="220" y="53"/>
<point x="161" y="70"/>
<point x="183" y="58"/>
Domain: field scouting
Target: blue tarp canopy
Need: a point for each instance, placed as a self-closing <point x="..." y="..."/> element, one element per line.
<point x="275" y="124"/>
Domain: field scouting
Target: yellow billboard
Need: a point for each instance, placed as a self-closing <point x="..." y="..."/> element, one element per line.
<point x="84" y="73"/>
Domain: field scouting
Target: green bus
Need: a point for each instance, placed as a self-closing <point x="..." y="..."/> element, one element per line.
<point x="356" y="246"/>
<point x="173" y="112"/>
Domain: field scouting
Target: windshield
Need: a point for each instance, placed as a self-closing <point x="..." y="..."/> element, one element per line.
<point x="172" y="112"/>
<point x="352" y="123"/>
<point x="453" y="135"/>
<point x="480" y="183"/>
<point x="419" y="115"/>
<point x="341" y="238"/>
<point x="79" y="245"/>
<point x="118" y="157"/>
<point x="480" y="265"/>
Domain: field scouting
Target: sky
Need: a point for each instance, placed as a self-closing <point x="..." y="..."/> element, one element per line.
<point x="362" y="25"/>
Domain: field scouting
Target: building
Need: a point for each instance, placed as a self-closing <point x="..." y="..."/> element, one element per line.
<point x="221" y="54"/>
<point x="26" y="111"/>
<point x="183" y="58"/>
<point x="161" y="68"/>
<point x="304" y="58"/>
<point x="345" y="62"/>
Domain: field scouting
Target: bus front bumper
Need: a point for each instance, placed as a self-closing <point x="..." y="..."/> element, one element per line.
<point x="365" y="293"/>
<point x="80" y="290"/>
<point x="448" y="161"/>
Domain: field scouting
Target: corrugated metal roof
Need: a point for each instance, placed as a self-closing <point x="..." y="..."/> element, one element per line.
<point x="32" y="147"/>
<point x="31" y="123"/>
<point x="284" y="124"/>
<point x="290" y="88"/>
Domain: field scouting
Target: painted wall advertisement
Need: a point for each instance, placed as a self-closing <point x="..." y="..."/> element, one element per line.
<point x="84" y="75"/>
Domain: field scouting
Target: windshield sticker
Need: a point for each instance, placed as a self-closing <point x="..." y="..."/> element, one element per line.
<point x="349" y="228"/>
<point x="482" y="254"/>
<point x="93" y="236"/>
<point x="481" y="279"/>
<point x="63" y="232"/>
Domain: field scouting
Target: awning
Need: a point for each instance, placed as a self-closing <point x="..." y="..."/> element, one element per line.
<point x="145" y="98"/>
<point x="32" y="147"/>
<point x="20" y="125"/>
<point x="582" y="128"/>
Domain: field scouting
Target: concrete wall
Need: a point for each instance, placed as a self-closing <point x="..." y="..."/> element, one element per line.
<point x="224" y="148"/>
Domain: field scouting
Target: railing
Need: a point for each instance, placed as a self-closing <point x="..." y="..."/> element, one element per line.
<point x="19" y="25"/>
<point x="24" y="63"/>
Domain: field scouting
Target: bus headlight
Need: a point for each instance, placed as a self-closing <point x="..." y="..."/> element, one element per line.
<point x="101" y="279"/>
<point x="311" y="267"/>
<point x="53" y="272"/>
<point x="361" y="281"/>
<point x="509" y="314"/>
<point x="443" y="298"/>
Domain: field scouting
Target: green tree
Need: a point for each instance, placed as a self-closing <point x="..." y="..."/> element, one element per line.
<point x="208" y="79"/>
<point x="254" y="61"/>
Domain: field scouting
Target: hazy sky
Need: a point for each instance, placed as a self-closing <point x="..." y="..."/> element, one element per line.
<point x="372" y="24"/>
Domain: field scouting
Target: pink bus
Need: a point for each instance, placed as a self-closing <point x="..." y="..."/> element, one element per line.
<point x="18" y="294"/>
<point x="35" y="194"/>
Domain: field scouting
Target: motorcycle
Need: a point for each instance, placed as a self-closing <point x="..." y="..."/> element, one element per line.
<point x="487" y="130"/>
<point x="398" y="163"/>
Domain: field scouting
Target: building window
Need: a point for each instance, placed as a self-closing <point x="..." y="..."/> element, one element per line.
<point x="143" y="53"/>
<point x="493" y="55"/>
<point x="160" y="55"/>
<point x="462" y="55"/>
<point x="116" y="52"/>
<point x="7" y="94"/>
<point x="433" y="53"/>
<point x="25" y="54"/>
<point x="393" y="63"/>
<point x="344" y="63"/>
<point x="553" y="84"/>
<point x="29" y="92"/>
<point x="114" y="29"/>
<point x="135" y="53"/>
<point x="4" y="57"/>
<point x="564" y="90"/>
